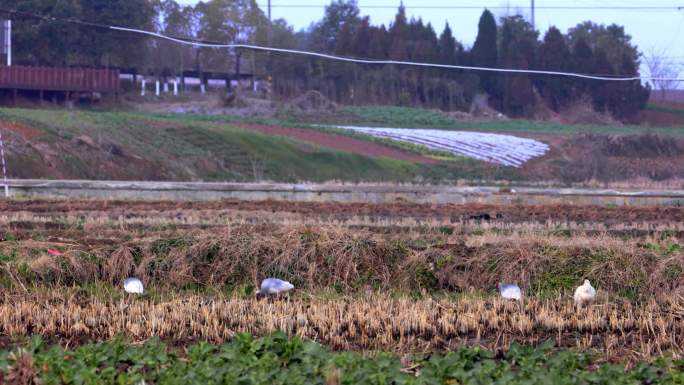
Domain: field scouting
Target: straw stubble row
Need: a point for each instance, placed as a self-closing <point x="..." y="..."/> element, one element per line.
<point x="375" y="322"/>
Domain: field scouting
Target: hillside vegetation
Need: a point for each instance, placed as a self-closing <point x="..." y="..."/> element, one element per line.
<point x="78" y="144"/>
<point x="138" y="146"/>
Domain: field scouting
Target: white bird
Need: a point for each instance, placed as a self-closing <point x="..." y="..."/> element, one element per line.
<point x="273" y="286"/>
<point x="133" y="285"/>
<point x="585" y="294"/>
<point x="509" y="291"/>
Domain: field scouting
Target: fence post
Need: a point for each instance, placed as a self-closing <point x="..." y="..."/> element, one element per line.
<point x="175" y="88"/>
<point x="156" y="88"/>
<point x="142" y="92"/>
<point x="4" y="167"/>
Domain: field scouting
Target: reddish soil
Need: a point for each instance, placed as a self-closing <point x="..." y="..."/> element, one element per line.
<point x="661" y="118"/>
<point x="455" y="212"/>
<point x="338" y="142"/>
<point x="28" y="133"/>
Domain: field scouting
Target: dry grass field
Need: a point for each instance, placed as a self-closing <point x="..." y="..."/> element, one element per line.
<point x="404" y="278"/>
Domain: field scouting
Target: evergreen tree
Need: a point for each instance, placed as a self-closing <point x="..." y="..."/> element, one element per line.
<point x="517" y="50"/>
<point x="612" y="39"/>
<point x="628" y="97"/>
<point x="398" y="34"/>
<point x="582" y="61"/>
<point x="36" y="42"/>
<point x="448" y="51"/>
<point x="484" y="52"/>
<point x="338" y="14"/>
<point x="379" y="43"/>
<point x="362" y="39"/>
<point x="116" y="49"/>
<point x="554" y="55"/>
<point x="601" y="91"/>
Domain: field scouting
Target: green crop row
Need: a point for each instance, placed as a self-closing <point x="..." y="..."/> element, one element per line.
<point x="277" y="359"/>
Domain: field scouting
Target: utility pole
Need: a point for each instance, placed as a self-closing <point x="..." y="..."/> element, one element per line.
<point x="532" y="13"/>
<point x="270" y="29"/>
<point x="269" y="59"/>
<point x="6" y="40"/>
<point x="4" y="167"/>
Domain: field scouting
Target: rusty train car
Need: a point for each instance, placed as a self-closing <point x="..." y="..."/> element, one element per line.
<point x="69" y="81"/>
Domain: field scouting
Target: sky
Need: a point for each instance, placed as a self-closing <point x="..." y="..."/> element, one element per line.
<point x="660" y="31"/>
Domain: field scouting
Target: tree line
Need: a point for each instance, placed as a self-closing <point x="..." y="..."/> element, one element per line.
<point x="509" y="42"/>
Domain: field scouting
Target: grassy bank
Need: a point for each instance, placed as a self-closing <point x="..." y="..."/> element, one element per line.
<point x="421" y="118"/>
<point x="623" y="265"/>
<point x="73" y="144"/>
<point x="228" y="246"/>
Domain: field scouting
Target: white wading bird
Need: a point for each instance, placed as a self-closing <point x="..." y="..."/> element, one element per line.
<point x="509" y="291"/>
<point x="585" y="295"/>
<point x="133" y="285"/>
<point x="273" y="286"/>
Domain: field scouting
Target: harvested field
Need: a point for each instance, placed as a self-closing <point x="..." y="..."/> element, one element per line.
<point x="376" y="322"/>
<point x="400" y="277"/>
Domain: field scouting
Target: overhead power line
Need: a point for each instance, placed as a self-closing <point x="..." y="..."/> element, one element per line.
<point x="499" y="7"/>
<point x="210" y="44"/>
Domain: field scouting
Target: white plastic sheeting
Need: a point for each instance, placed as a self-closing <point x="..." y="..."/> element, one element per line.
<point x="507" y="150"/>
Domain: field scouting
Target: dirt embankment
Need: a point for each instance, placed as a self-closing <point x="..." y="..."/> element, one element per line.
<point x="33" y="153"/>
<point x="608" y="158"/>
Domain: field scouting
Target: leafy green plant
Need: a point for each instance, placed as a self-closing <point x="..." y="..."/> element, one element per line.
<point x="277" y="359"/>
<point x="8" y="257"/>
<point x="665" y="248"/>
<point x="7" y="236"/>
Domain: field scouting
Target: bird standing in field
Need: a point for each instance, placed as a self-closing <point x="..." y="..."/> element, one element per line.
<point x="273" y="286"/>
<point x="509" y="291"/>
<point x="133" y="285"/>
<point x="585" y="294"/>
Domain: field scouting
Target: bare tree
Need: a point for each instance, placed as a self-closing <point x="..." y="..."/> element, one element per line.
<point x="659" y="67"/>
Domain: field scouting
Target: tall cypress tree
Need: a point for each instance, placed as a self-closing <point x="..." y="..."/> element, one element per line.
<point x="399" y="35"/>
<point x="379" y="43"/>
<point x="484" y="51"/>
<point x="447" y="47"/>
<point x="362" y="39"/>
<point x="517" y="50"/>
<point x="554" y="55"/>
<point x="627" y="98"/>
<point x="582" y="62"/>
<point x="601" y="91"/>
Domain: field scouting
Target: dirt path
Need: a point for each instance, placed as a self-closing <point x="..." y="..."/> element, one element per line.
<point x="456" y="212"/>
<point x="338" y="142"/>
